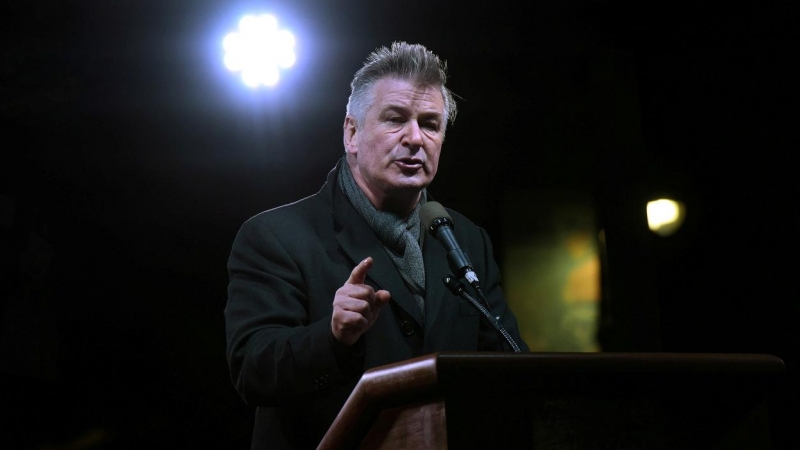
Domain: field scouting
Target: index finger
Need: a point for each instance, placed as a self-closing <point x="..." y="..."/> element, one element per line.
<point x="359" y="273"/>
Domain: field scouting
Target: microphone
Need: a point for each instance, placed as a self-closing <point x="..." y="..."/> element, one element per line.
<point x="437" y="221"/>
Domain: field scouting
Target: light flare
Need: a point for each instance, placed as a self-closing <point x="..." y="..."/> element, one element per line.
<point x="259" y="50"/>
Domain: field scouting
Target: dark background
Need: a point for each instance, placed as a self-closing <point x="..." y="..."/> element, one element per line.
<point x="130" y="157"/>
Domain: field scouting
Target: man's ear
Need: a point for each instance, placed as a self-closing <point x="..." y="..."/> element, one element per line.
<point x="350" y="129"/>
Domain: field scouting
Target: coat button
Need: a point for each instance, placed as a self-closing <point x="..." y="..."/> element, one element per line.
<point x="321" y="382"/>
<point x="407" y="327"/>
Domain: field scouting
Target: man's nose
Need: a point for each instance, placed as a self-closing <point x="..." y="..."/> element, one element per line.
<point x="413" y="135"/>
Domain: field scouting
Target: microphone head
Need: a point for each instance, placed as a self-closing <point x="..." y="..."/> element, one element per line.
<point x="430" y="212"/>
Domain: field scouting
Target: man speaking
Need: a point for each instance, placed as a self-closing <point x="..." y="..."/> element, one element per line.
<point x="348" y="279"/>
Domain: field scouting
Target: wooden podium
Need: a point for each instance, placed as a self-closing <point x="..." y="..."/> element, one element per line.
<point x="486" y="400"/>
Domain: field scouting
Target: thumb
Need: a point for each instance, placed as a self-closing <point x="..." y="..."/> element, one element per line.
<point x="359" y="273"/>
<point x="382" y="297"/>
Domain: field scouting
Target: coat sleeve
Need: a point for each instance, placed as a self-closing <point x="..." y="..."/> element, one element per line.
<point x="274" y="352"/>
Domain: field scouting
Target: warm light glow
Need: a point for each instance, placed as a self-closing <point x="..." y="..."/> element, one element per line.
<point x="665" y="216"/>
<point x="258" y="50"/>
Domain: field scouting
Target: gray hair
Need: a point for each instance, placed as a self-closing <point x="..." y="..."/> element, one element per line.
<point x="412" y="62"/>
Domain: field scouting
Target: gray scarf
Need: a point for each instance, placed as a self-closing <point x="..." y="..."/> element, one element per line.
<point x="400" y="238"/>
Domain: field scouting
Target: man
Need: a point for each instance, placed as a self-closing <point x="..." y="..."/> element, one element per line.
<point x="345" y="280"/>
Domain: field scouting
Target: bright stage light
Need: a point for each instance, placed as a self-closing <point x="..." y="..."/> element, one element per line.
<point x="258" y="50"/>
<point x="665" y="216"/>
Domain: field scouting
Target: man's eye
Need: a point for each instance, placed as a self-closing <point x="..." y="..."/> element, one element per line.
<point x="395" y="119"/>
<point x="431" y="126"/>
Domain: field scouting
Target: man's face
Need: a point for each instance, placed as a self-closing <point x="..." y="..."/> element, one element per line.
<point x="394" y="154"/>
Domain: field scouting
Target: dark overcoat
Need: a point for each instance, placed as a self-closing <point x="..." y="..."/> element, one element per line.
<point x="284" y="269"/>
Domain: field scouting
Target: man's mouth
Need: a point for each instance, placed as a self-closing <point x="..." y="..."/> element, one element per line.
<point x="409" y="163"/>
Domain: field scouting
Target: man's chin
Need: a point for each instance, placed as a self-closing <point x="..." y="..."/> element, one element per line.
<point x="415" y="184"/>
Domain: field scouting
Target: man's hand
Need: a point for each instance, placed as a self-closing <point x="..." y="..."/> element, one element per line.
<point x="356" y="305"/>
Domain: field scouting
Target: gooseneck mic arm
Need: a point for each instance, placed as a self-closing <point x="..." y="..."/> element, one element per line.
<point x="456" y="287"/>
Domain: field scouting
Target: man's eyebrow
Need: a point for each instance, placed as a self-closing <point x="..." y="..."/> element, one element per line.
<point x="431" y="115"/>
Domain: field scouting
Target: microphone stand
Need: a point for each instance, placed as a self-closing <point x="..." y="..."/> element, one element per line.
<point x="457" y="288"/>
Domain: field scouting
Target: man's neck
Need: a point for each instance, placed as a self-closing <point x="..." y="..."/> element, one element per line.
<point x="401" y="207"/>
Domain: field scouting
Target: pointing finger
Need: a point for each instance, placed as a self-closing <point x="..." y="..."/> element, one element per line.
<point x="359" y="274"/>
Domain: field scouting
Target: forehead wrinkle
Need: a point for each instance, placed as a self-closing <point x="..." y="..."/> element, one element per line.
<point x="427" y="113"/>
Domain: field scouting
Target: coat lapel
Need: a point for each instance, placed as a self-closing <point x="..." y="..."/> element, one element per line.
<point x="436" y="268"/>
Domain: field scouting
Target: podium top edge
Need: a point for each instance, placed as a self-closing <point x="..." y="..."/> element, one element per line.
<point x="614" y="361"/>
